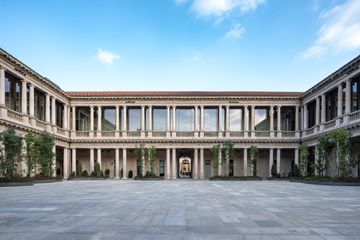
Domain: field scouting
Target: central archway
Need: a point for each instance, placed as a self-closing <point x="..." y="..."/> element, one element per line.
<point x="184" y="167"/>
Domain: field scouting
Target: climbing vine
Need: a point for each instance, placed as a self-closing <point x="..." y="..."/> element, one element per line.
<point x="215" y="150"/>
<point x="254" y="156"/>
<point x="304" y="159"/>
<point x="229" y="151"/>
<point x="11" y="143"/>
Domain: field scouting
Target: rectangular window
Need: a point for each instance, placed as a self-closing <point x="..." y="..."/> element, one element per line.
<point x="211" y="119"/>
<point x="134" y="119"/>
<point x="288" y="118"/>
<point x="235" y="119"/>
<point x="12" y="92"/>
<point x="39" y="104"/>
<point x="162" y="168"/>
<point x="59" y="111"/>
<point x="355" y="94"/>
<point x="108" y="120"/>
<point x="331" y="101"/>
<point x="185" y="119"/>
<point x="262" y="119"/>
<point x="159" y="119"/>
<point x="82" y="119"/>
<point x="311" y="114"/>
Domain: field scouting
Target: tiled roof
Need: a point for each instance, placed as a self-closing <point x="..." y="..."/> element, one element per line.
<point x="183" y="93"/>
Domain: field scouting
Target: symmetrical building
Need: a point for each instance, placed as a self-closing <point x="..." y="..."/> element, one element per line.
<point x="106" y="127"/>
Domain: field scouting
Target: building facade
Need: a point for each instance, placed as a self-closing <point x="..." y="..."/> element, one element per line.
<point x="106" y="127"/>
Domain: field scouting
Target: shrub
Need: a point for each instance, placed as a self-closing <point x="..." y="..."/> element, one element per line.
<point x="72" y="174"/>
<point x="274" y="172"/>
<point x="107" y="173"/>
<point x="101" y="173"/>
<point x="12" y="144"/>
<point x="93" y="174"/>
<point x="85" y="173"/>
<point x="79" y="168"/>
<point x="97" y="169"/>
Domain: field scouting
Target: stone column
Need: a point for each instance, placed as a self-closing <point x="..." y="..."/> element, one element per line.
<point x="168" y="171"/>
<point x="117" y="121"/>
<point x="220" y="162"/>
<point x="340" y="105"/>
<point x="73" y="120"/>
<point x="271" y="160"/>
<point x="227" y="121"/>
<point x="271" y="113"/>
<point x="91" y="121"/>
<point x="31" y="105"/>
<point x="241" y="120"/>
<point x="73" y="161"/>
<point x="347" y="101"/>
<point x="124" y="160"/>
<point x="124" y="130"/>
<point x="168" y="129"/>
<point x="201" y="163"/>
<point x="66" y="164"/>
<point x="323" y="111"/>
<point x="47" y="112"/>
<point x="278" y="160"/>
<point x="245" y="158"/>
<point x="317" y="112"/>
<point x="99" y="157"/>
<point x="142" y="121"/>
<point x="99" y="127"/>
<point x="25" y="117"/>
<point x="65" y="117"/>
<point x="306" y="120"/>
<point x="246" y="121"/>
<point x="220" y="123"/>
<point x="54" y="161"/>
<point x="301" y="118"/>
<point x="195" y="170"/>
<point x="252" y="121"/>
<point x="92" y="162"/>
<point x="297" y="134"/>
<point x="279" y="130"/>
<point x="3" y="110"/>
<point x="196" y="121"/>
<point x="202" y="121"/>
<point x="53" y="110"/>
<point x="174" y="173"/>
<point x="296" y="157"/>
<point x="174" y="122"/>
<point x="150" y="121"/>
<point x="116" y="163"/>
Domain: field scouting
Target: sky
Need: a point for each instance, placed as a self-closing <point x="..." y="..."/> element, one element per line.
<point x="170" y="45"/>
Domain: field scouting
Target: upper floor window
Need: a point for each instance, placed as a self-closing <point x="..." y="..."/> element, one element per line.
<point x="331" y="104"/>
<point x="39" y="104"/>
<point x="185" y="119"/>
<point x="82" y="119"/>
<point x="262" y="119"/>
<point x="355" y="94"/>
<point x="134" y="119"/>
<point x="159" y="119"/>
<point x="288" y="118"/>
<point x="235" y="115"/>
<point x="12" y="92"/>
<point x="108" y="120"/>
<point x="211" y="119"/>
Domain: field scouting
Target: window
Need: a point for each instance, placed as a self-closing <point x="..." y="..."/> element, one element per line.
<point x="108" y="120"/>
<point x="355" y="94"/>
<point x="82" y="119"/>
<point x="211" y="119"/>
<point x="288" y="118"/>
<point x="331" y="105"/>
<point x="12" y="92"/>
<point x="185" y="119"/>
<point x="235" y="115"/>
<point x="134" y="119"/>
<point x="39" y="104"/>
<point x="159" y="119"/>
<point x="59" y="110"/>
<point x="311" y="114"/>
<point x="262" y="119"/>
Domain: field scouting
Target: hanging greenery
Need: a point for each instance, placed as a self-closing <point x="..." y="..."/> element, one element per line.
<point x="140" y="156"/>
<point x="215" y="150"/>
<point x="151" y="157"/>
<point x="39" y="151"/>
<point x="11" y="143"/>
<point x="322" y="149"/>
<point x="254" y="156"/>
<point x="229" y="151"/>
<point x="304" y="159"/>
<point x="145" y="159"/>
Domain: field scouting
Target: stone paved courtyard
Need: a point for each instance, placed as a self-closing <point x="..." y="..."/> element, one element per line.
<point x="182" y="209"/>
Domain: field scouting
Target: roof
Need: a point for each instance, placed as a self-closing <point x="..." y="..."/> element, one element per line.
<point x="183" y="93"/>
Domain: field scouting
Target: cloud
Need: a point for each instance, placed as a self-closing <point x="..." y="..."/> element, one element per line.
<point x="106" y="57"/>
<point x="339" y="32"/>
<point x="235" y="32"/>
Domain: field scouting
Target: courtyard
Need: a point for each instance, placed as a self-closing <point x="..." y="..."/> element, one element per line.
<point x="181" y="209"/>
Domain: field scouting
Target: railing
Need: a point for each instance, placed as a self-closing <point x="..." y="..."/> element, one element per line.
<point x="330" y="124"/>
<point x="236" y="134"/>
<point x="14" y="115"/>
<point x="211" y="134"/>
<point x="82" y="134"/>
<point x="41" y="124"/>
<point x="108" y="134"/>
<point x="134" y="134"/>
<point x="262" y="134"/>
<point x="288" y="134"/>
<point x="185" y="134"/>
<point x="310" y="130"/>
<point x="159" y="134"/>
<point x="354" y="116"/>
<point x="61" y="131"/>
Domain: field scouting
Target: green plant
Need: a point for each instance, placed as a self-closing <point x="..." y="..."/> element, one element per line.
<point x="274" y="172"/>
<point x="151" y="156"/>
<point x="321" y="150"/>
<point x="12" y="156"/>
<point x="304" y="159"/>
<point x="295" y="172"/>
<point x="229" y="151"/>
<point x="254" y="156"/>
<point x="140" y="156"/>
<point x="93" y="174"/>
<point x="85" y="173"/>
<point x="79" y="167"/>
<point x="107" y="173"/>
<point x="102" y="173"/>
<point x="97" y="169"/>
<point x="215" y="150"/>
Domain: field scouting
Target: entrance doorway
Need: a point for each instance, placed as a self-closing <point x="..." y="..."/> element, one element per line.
<point x="184" y="167"/>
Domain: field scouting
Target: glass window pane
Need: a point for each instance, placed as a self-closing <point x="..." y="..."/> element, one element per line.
<point x="109" y="119"/>
<point x="184" y="119"/>
<point x="159" y="119"/>
<point x="235" y="119"/>
<point x="211" y="119"/>
<point x="134" y="119"/>
<point x="262" y="122"/>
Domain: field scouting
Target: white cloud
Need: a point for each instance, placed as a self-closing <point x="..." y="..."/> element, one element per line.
<point x="340" y="31"/>
<point x="106" y="57"/>
<point x="235" y="32"/>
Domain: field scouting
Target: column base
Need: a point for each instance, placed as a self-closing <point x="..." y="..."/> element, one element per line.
<point x="25" y="119"/>
<point x="173" y="178"/>
<point x="33" y="121"/>
<point x="3" y="111"/>
<point x="124" y="178"/>
<point x="116" y="178"/>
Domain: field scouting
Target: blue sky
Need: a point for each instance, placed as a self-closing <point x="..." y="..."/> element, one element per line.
<point x="240" y="45"/>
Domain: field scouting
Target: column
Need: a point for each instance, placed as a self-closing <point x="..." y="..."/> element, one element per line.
<point x="142" y="121"/>
<point x="306" y="120"/>
<point x="168" y="173"/>
<point x="91" y="121"/>
<point x="279" y="130"/>
<point x="252" y="121"/>
<point x="73" y="162"/>
<point x="317" y="112"/>
<point x="53" y="110"/>
<point x="278" y="160"/>
<point x="271" y="160"/>
<point x="117" y="123"/>
<point x="116" y="163"/>
<point x="124" y="132"/>
<point x="301" y="118"/>
<point x="92" y="162"/>
<point x="65" y="164"/>
<point x="195" y="170"/>
<point x="297" y="134"/>
<point x="174" y="173"/>
<point x="54" y="161"/>
<point x="65" y="117"/>
<point x="99" y="157"/>
<point x="246" y="121"/>
<point x="99" y="123"/>
<point x="220" y="162"/>
<point x="150" y="121"/>
<point x="323" y="111"/>
<point x="174" y="122"/>
<point x="347" y="101"/>
<point x="168" y="121"/>
<point x="124" y="160"/>
<point x="271" y="113"/>
<point x="227" y="121"/>
<point x="31" y="105"/>
<point x="47" y="110"/>
<point x="296" y="157"/>
<point x="24" y="101"/>
<point x="201" y="163"/>
<point x="202" y="121"/>
<point x="220" y="123"/>
<point x="245" y="159"/>
<point x="73" y="119"/>
<point x="340" y="105"/>
<point x="196" y="121"/>
<point x="3" y="110"/>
